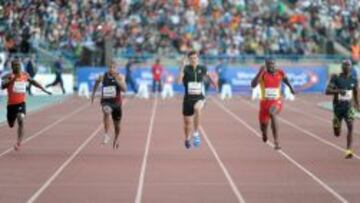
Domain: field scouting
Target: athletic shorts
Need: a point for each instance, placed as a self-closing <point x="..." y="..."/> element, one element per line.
<point x="343" y="111"/>
<point x="116" y="110"/>
<point x="188" y="106"/>
<point x="13" y="110"/>
<point x="265" y="106"/>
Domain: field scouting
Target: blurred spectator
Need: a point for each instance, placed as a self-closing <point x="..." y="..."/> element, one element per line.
<point x="211" y="27"/>
<point x="335" y="19"/>
<point x="129" y="78"/>
<point x="58" y="68"/>
<point x="221" y="70"/>
<point x="31" y="69"/>
<point x="157" y="71"/>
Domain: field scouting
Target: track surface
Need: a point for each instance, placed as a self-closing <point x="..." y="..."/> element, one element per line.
<point x="63" y="159"/>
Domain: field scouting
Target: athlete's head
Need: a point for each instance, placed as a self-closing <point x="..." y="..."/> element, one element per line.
<point x="346" y="66"/>
<point x="112" y="67"/>
<point x="15" y="66"/>
<point x="270" y="65"/>
<point x="193" y="57"/>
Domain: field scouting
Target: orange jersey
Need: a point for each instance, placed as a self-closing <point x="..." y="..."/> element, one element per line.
<point x="270" y="85"/>
<point x="17" y="89"/>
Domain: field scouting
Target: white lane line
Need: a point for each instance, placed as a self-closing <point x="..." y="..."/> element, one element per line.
<point x="307" y="114"/>
<point x="319" y="118"/>
<point x="34" y="197"/>
<point x="47" y="127"/>
<point x="230" y="180"/>
<point x="309" y="173"/>
<point x="139" y="191"/>
<point x="313" y="135"/>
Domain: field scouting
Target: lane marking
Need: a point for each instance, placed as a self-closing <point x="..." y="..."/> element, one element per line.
<point x="230" y="180"/>
<point x="298" y="165"/>
<point x="61" y="119"/>
<point x="34" y="197"/>
<point x="139" y="191"/>
<point x="313" y="135"/>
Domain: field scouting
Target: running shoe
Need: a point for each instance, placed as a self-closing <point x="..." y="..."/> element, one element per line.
<point x="116" y="145"/>
<point x="196" y="140"/>
<point x="277" y="146"/>
<point x="349" y="154"/>
<point x="17" y="147"/>
<point x="187" y="144"/>
<point x="264" y="138"/>
<point x="106" y="139"/>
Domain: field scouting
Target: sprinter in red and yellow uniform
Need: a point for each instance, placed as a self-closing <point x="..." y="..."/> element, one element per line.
<point x="270" y="78"/>
<point x="15" y="83"/>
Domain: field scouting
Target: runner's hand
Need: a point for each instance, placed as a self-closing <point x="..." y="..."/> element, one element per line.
<point x="120" y="78"/>
<point x="342" y="92"/>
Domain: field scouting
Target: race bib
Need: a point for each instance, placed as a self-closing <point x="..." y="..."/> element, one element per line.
<point x="271" y="93"/>
<point x="347" y="96"/>
<point x="194" y="88"/>
<point x="19" y="87"/>
<point x="109" y="92"/>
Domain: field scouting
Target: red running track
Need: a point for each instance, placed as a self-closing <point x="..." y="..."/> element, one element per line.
<point x="64" y="160"/>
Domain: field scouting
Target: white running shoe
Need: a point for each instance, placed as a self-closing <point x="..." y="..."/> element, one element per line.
<point x="106" y="139"/>
<point x="196" y="139"/>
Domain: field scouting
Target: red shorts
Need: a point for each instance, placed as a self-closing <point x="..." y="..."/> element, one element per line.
<point x="265" y="106"/>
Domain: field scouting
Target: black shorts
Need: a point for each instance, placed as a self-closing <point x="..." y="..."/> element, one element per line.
<point x="343" y="112"/>
<point x="116" y="110"/>
<point x="13" y="111"/>
<point x="188" y="106"/>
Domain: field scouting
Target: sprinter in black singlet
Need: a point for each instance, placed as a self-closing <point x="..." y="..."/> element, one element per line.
<point x="113" y="84"/>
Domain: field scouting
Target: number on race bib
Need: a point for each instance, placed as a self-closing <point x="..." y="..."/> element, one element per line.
<point x="194" y="88"/>
<point x="272" y="93"/>
<point x="19" y="87"/>
<point x="347" y="97"/>
<point x="109" y="92"/>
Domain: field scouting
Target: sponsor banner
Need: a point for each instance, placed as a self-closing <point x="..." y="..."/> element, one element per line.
<point x="304" y="79"/>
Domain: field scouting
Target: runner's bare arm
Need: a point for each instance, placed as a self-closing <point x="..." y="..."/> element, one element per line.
<point x="7" y="80"/>
<point x="255" y="81"/>
<point x="356" y="99"/>
<point x="181" y="70"/>
<point x="38" y="85"/>
<point x="287" y="82"/>
<point x="120" y="80"/>
<point x="97" y="83"/>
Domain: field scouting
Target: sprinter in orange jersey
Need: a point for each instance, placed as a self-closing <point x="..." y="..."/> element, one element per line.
<point x="16" y="83"/>
<point x="270" y="80"/>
